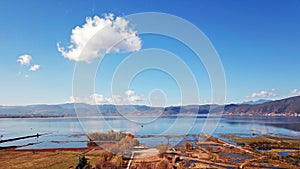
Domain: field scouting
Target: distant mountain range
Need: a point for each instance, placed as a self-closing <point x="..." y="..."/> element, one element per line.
<point x="260" y="101"/>
<point x="287" y="107"/>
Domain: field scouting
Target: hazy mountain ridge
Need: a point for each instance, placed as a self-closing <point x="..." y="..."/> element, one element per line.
<point x="288" y="106"/>
<point x="260" y="101"/>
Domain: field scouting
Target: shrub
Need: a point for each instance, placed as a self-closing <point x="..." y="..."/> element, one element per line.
<point x="117" y="161"/>
<point x="124" y="146"/>
<point x="188" y="145"/>
<point x="163" y="164"/>
<point x="162" y="148"/>
<point x="106" y="165"/>
<point x="145" y="165"/>
<point x="110" y="136"/>
<point x="106" y="156"/>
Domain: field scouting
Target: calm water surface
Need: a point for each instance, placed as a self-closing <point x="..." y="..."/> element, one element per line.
<point x="69" y="132"/>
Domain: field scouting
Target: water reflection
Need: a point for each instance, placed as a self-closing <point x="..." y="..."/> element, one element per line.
<point x="63" y="129"/>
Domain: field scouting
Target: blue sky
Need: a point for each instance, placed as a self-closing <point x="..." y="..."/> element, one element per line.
<point x="258" y="43"/>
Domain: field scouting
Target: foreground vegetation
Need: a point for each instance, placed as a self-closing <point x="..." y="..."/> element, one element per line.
<point x="123" y="150"/>
<point x="284" y="149"/>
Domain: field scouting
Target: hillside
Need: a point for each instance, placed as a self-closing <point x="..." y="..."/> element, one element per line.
<point x="288" y="106"/>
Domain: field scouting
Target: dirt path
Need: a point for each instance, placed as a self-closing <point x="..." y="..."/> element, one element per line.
<point x="130" y="161"/>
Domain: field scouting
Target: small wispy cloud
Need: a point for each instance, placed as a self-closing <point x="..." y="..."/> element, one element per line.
<point x="295" y="92"/>
<point x="34" y="67"/>
<point x="130" y="92"/>
<point x="24" y="59"/>
<point x="262" y="94"/>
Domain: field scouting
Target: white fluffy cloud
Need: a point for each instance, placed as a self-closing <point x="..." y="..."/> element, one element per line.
<point x="24" y="59"/>
<point x="295" y="92"/>
<point x="262" y="94"/>
<point x="34" y="67"/>
<point x="92" y="99"/>
<point x="103" y="35"/>
<point x="135" y="98"/>
<point x="128" y="97"/>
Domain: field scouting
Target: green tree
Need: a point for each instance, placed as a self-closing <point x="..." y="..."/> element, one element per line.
<point x="82" y="163"/>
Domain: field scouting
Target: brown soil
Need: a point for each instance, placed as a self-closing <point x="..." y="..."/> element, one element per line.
<point x="46" y="158"/>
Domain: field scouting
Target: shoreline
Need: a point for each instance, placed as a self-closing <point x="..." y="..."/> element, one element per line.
<point x="136" y="115"/>
<point x="58" y="149"/>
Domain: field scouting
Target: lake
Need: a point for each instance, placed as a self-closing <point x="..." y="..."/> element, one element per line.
<point x="69" y="132"/>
